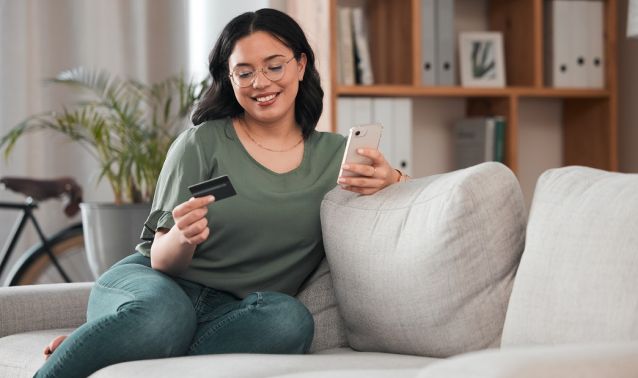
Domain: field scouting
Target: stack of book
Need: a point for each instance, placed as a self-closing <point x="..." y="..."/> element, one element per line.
<point x="479" y="139"/>
<point x="353" y="49"/>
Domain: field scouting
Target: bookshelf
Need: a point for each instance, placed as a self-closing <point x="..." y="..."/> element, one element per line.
<point x="588" y="117"/>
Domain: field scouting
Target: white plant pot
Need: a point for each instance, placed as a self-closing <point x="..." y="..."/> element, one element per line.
<point x="111" y="232"/>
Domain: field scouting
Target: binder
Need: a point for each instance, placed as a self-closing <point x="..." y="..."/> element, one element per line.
<point x="428" y="42"/>
<point x="345" y="46"/>
<point x="345" y="119"/>
<point x="364" y="65"/>
<point x="383" y="113"/>
<point x="402" y="135"/>
<point x="596" y="53"/>
<point x="578" y="41"/>
<point x="445" y="46"/>
<point x="558" y="25"/>
<point x="361" y="111"/>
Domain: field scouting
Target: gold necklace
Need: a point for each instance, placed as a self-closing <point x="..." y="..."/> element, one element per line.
<point x="241" y="122"/>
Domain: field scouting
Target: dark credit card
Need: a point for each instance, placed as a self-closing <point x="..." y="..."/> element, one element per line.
<point x="219" y="187"/>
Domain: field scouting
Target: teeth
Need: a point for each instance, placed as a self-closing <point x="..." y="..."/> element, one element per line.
<point x="267" y="98"/>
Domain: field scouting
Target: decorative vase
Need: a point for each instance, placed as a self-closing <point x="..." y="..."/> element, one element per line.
<point x="111" y="232"/>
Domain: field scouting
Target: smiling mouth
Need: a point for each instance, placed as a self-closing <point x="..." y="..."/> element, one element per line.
<point x="266" y="98"/>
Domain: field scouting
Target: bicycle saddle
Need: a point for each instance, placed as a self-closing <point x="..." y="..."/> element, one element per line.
<point x="42" y="190"/>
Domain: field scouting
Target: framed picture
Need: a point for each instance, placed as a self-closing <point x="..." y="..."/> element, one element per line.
<point x="482" y="62"/>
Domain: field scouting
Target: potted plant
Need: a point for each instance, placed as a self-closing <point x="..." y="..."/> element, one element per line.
<point x="127" y="126"/>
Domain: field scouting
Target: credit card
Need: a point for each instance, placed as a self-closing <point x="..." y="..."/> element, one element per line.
<point x="220" y="187"/>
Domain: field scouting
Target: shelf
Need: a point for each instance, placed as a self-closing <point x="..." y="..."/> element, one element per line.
<point x="413" y="91"/>
<point x="588" y="117"/>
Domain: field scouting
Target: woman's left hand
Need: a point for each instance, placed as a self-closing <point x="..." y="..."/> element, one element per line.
<point x="369" y="179"/>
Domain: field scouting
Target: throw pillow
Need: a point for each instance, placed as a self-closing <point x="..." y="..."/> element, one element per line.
<point x="426" y="267"/>
<point x="578" y="275"/>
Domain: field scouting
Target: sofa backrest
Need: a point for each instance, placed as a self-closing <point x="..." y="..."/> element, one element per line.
<point x="578" y="277"/>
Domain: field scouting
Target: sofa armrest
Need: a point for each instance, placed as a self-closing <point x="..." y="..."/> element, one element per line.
<point x="618" y="360"/>
<point x="39" y="307"/>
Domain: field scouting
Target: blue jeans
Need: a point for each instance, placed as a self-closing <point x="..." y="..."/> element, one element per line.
<point x="136" y="313"/>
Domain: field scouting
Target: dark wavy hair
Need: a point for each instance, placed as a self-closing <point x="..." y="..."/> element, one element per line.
<point x="219" y="100"/>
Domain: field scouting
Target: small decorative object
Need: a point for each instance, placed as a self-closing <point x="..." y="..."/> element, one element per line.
<point x="482" y="62"/>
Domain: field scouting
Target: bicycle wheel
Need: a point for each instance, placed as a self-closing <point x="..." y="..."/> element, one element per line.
<point x="36" y="267"/>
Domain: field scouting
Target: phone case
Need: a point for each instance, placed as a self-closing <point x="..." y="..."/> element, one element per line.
<point x="363" y="136"/>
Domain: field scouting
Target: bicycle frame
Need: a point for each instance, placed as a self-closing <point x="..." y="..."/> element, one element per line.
<point x="27" y="215"/>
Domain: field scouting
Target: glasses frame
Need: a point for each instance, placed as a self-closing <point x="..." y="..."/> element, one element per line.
<point x="256" y="72"/>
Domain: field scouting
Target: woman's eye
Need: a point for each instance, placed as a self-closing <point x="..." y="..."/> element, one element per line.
<point x="276" y="68"/>
<point x="244" y="74"/>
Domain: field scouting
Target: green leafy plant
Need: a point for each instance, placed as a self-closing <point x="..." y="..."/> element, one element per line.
<point x="126" y="125"/>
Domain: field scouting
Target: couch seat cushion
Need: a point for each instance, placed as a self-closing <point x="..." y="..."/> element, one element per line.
<point x="617" y="360"/>
<point x="578" y="277"/>
<point x="426" y="267"/>
<point x="334" y="362"/>
<point x="21" y="354"/>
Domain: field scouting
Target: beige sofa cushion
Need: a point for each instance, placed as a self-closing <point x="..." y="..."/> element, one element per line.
<point x="578" y="277"/>
<point x="317" y="294"/>
<point x="426" y="267"/>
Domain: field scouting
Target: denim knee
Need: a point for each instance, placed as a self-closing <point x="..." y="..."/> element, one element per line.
<point x="152" y="304"/>
<point x="134" y="258"/>
<point x="287" y="321"/>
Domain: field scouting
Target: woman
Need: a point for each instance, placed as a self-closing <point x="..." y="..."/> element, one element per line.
<point x="220" y="277"/>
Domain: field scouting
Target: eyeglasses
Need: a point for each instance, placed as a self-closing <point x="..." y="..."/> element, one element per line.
<point x="245" y="76"/>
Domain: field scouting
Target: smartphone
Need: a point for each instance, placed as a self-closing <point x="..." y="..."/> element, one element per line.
<point x="363" y="136"/>
<point x="220" y="187"/>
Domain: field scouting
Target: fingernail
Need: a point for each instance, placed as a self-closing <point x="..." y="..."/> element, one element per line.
<point x="346" y="166"/>
<point x="341" y="180"/>
<point x="360" y="150"/>
<point x="211" y="198"/>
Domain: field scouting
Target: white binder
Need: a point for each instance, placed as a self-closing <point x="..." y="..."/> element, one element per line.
<point x="579" y="31"/>
<point x="428" y="42"/>
<point x="402" y="135"/>
<point x="361" y="110"/>
<point x="345" y="119"/>
<point x="383" y="113"/>
<point x="559" y="24"/>
<point x="445" y="50"/>
<point x="596" y="54"/>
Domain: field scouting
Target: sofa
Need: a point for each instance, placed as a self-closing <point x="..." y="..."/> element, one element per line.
<point x="441" y="276"/>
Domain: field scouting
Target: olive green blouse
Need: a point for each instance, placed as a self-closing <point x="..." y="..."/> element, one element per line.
<point x="268" y="236"/>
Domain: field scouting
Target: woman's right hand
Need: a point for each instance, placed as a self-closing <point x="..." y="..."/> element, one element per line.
<point x="172" y="250"/>
<point x="190" y="220"/>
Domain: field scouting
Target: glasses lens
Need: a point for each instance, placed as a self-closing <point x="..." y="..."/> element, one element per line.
<point x="274" y="71"/>
<point x="243" y="77"/>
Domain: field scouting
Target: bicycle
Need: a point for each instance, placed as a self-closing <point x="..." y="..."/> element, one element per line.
<point x="57" y="258"/>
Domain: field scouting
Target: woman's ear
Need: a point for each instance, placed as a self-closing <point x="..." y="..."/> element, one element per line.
<point x="301" y="66"/>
